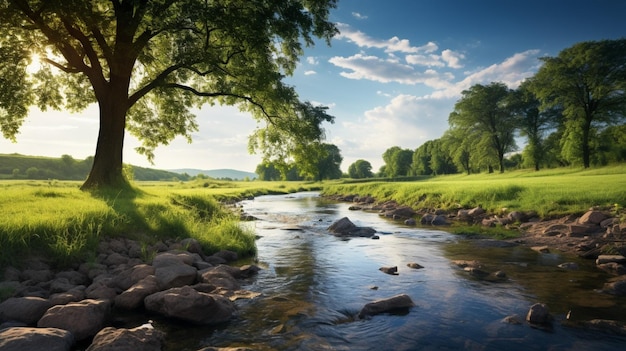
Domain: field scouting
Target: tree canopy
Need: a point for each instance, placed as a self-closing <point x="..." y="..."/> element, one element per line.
<point x="360" y="169"/>
<point x="588" y="81"/>
<point x="483" y="110"/>
<point x="148" y="63"/>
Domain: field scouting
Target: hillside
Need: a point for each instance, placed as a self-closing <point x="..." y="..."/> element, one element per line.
<point x="217" y="173"/>
<point x="16" y="166"/>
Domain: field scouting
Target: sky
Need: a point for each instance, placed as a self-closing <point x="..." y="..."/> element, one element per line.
<point x="390" y="78"/>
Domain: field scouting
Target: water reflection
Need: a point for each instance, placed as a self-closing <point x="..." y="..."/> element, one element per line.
<point x="314" y="284"/>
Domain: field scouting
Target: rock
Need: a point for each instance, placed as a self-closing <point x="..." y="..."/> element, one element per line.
<point x="344" y="227"/>
<point x="616" y="286"/>
<point x="192" y="245"/>
<point x="613" y="268"/>
<point x="170" y="258"/>
<point x="191" y="306"/>
<point x="539" y="314"/>
<point x="27" y="310"/>
<point x="476" y="272"/>
<point x="74" y="295"/>
<point x="610" y="258"/>
<point x="512" y="319"/>
<point x="83" y="319"/>
<point x="227" y="255"/>
<point x="134" y="296"/>
<point x="414" y="265"/>
<point x="142" y="338"/>
<point x="395" y="303"/>
<point x="219" y="278"/>
<point x="401" y="212"/>
<point x="541" y="249"/>
<point x="37" y="275"/>
<point x="568" y="265"/>
<point x="410" y="221"/>
<point x="35" y="339"/>
<point x="210" y="348"/>
<point x="476" y="211"/>
<point x="175" y="275"/>
<point x="592" y="217"/>
<point x="389" y="270"/>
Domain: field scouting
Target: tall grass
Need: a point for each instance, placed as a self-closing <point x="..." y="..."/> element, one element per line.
<point x="57" y="220"/>
<point x="549" y="192"/>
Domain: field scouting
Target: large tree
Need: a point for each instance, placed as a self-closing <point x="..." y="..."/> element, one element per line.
<point x="147" y="63"/>
<point x="588" y="80"/>
<point x="483" y="110"/>
<point x="533" y="122"/>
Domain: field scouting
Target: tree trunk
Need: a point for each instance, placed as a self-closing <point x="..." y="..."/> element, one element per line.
<point x="107" y="164"/>
<point x="585" y="142"/>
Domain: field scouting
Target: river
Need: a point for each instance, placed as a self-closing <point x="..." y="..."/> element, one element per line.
<point x="313" y="285"/>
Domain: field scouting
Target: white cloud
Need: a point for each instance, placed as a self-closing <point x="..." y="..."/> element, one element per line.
<point x="453" y="59"/>
<point x="425" y="60"/>
<point x="406" y="121"/>
<point x="373" y="68"/>
<point x="512" y="71"/>
<point x="358" y="16"/>
<point x="393" y="44"/>
<point x="309" y="73"/>
<point x="312" y="60"/>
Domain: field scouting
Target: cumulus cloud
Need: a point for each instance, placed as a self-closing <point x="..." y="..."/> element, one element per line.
<point x="512" y="71"/>
<point x="309" y="73"/>
<point x="358" y="16"/>
<point x="393" y="44"/>
<point x="453" y="59"/>
<point x="406" y="121"/>
<point x="361" y="66"/>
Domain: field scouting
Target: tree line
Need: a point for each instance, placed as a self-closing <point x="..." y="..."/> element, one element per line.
<point x="571" y="112"/>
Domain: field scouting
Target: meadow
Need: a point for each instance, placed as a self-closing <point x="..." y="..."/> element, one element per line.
<point x="57" y="220"/>
<point x="550" y="193"/>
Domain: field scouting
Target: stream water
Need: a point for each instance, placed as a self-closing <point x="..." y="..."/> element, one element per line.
<point x="313" y="285"/>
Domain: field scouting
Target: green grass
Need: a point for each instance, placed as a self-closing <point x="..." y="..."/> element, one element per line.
<point x="550" y="193"/>
<point x="57" y="220"/>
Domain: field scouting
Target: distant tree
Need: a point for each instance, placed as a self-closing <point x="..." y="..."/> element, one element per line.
<point x="397" y="161"/>
<point x="459" y="147"/>
<point x="149" y="63"/>
<point x="589" y="81"/>
<point x="441" y="161"/>
<point x="360" y="169"/>
<point x="483" y="111"/>
<point x="267" y="172"/>
<point x="533" y="122"/>
<point x="329" y="166"/>
<point x="421" y="161"/>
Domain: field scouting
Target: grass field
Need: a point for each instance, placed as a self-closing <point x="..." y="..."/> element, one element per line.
<point x="550" y="193"/>
<point x="56" y="219"/>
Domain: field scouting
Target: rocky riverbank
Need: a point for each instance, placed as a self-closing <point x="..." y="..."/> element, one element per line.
<point x="58" y="310"/>
<point x="596" y="234"/>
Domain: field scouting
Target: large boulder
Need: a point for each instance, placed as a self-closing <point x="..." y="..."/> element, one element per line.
<point x="35" y="339"/>
<point x="83" y="319"/>
<point x="133" y="297"/>
<point x="27" y="310"/>
<point x="191" y="306"/>
<point x="143" y="338"/>
<point x="345" y="227"/>
<point x="175" y="275"/>
<point x="392" y="304"/>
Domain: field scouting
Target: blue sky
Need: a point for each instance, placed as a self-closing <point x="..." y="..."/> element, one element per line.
<point x="390" y="78"/>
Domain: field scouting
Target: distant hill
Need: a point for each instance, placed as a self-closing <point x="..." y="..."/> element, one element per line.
<point x="217" y="173"/>
<point x="16" y="166"/>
